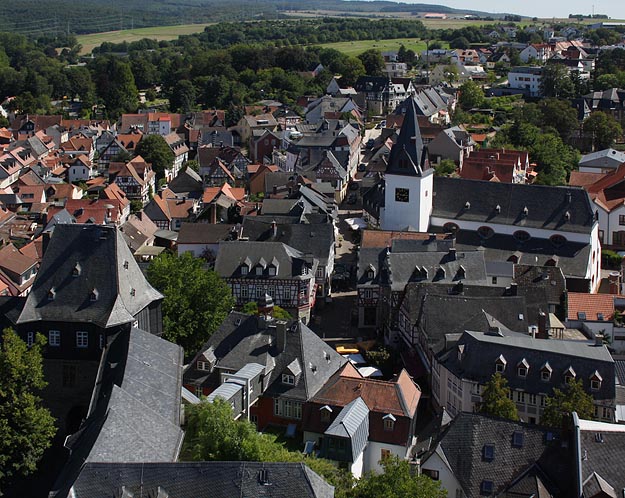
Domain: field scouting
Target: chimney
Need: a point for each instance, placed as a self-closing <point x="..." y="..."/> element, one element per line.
<point x="543" y="333"/>
<point x="614" y="279"/>
<point x="274" y="229"/>
<point x="281" y="335"/>
<point x="598" y="340"/>
<point x="513" y="289"/>
<point x="213" y="214"/>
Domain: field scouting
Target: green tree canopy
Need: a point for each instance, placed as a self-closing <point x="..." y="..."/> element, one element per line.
<point x="373" y="62"/>
<point x="154" y="149"/>
<point x="182" y="97"/>
<point x="495" y="399"/>
<point x="279" y="313"/>
<point x="603" y="128"/>
<point x="446" y="167"/>
<point x="561" y="404"/>
<point x="561" y="115"/>
<point x="115" y="85"/>
<point x="212" y="434"/>
<point x="471" y="95"/>
<point x="397" y="481"/>
<point x="26" y="427"/>
<point x="556" y="82"/>
<point x="196" y="299"/>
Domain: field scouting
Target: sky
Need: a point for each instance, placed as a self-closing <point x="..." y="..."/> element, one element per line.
<point x="537" y="8"/>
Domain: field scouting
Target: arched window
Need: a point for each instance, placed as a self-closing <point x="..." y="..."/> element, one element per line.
<point x="521" y="236"/>
<point x="485" y="232"/>
<point x="451" y="227"/>
<point x="557" y="240"/>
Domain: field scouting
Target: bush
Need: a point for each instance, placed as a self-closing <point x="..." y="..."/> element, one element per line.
<point x="610" y="259"/>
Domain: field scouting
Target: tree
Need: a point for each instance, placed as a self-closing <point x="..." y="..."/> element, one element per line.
<point x="135" y="206"/>
<point x="373" y="62"/>
<point x="496" y="399"/>
<point x="446" y="167"/>
<point x="555" y="82"/>
<point x="279" y="313"/>
<point x="397" y="481"/>
<point x="471" y="95"/>
<point x="115" y="84"/>
<point x="196" y="300"/>
<point x="603" y="128"/>
<point x="460" y="42"/>
<point x="154" y="149"/>
<point x="212" y="434"/>
<point x="193" y="165"/>
<point x="182" y="97"/>
<point x="560" y="115"/>
<point x="560" y="405"/>
<point x="26" y="427"/>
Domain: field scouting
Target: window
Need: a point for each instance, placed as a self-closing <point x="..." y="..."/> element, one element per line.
<point x="244" y="270"/>
<point x="326" y="413"/>
<point x="520" y="397"/>
<point x="54" y="337"/>
<point x="606" y="413"/>
<point x="389" y="422"/>
<point x="204" y="366"/>
<point x="82" y="339"/>
<point x="494" y="280"/>
<point x="69" y="375"/>
<point x="621" y="219"/>
<point x="259" y="292"/>
<point x="244" y="291"/>
<point x="101" y="341"/>
<point x="287" y="408"/>
<point x="198" y="391"/>
<point x="368" y="293"/>
<point x="521" y="236"/>
<point x="500" y="367"/>
<point x="288" y="379"/>
<point x="485" y="232"/>
<point x="558" y="240"/>
<point x="259" y="271"/>
<point x="532" y="400"/>
<point x="522" y="372"/>
<point x="402" y="195"/>
<point x="287" y="293"/>
<point x="488" y="452"/>
<point x="30" y="338"/>
<point x="432" y="474"/>
<point x="487" y="487"/>
<point x="517" y="439"/>
<point x="451" y="227"/>
<point x="595" y="384"/>
<point x="384" y="453"/>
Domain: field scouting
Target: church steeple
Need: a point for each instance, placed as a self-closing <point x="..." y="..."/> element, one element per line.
<point x="408" y="156"/>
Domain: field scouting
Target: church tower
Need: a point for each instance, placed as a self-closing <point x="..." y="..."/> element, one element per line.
<point x="409" y="180"/>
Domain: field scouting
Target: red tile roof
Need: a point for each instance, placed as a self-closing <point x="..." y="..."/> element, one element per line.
<point x="383" y="238"/>
<point x="591" y="304"/>
<point x="584" y="179"/>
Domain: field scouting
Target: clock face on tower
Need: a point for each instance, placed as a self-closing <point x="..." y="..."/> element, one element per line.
<point x="402" y="195"/>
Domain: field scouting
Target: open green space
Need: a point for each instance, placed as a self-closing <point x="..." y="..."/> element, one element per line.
<point x="354" y="48"/>
<point x="90" y="41"/>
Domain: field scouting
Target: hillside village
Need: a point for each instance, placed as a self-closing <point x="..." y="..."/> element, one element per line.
<point x="400" y="254"/>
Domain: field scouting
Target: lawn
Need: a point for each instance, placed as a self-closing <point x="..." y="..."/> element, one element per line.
<point x="159" y="33"/>
<point x="354" y="48"/>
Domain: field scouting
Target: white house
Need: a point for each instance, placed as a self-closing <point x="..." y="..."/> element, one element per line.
<point x="527" y="79"/>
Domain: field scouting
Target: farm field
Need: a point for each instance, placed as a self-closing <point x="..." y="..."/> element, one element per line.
<point x="159" y="33"/>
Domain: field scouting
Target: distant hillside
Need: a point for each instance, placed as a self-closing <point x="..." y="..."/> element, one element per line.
<point x="52" y="17"/>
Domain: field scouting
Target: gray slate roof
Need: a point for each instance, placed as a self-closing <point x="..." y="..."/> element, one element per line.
<point x="605" y="455"/>
<point x="316" y="239"/>
<point x="105" y="263"/>
<point x="462" y="445"/>
<point x="481" y="351"/>
<point x="352" y="422"/>
<point x="546" y="206"/>
<point x="290" y="262"/>
<point x="407" y="155"/>
<point x="241" y="339"/>
<point x="201" y="480"/>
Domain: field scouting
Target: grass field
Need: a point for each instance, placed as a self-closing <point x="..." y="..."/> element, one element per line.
<point x="358" y="47"/>
<point x="159" y="33"/>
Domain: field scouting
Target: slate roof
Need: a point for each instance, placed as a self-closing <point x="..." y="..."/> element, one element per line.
<point x="135" y="416"/>
<point x="201" y="480"/>
<point x="204" y="233"/>
<point x="461" y="445"/>
<point x="606" y="158"/>
<point x="291" y="262"/>
<point x="602" y="448"/>
<point x="242" y="339"/>
<point x="186" y="181"/>
<point x="481" y="351"/>
<point x="104" y="263"/>
<point x="549" y="278"/>
<point x="352" y="422"/>
<point x="546" y="206"/>
<point x="407" y="157"/>
<point x="316" y="239"/>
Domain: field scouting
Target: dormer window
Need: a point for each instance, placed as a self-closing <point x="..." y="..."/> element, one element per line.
<point x="76" y="270"/>
<point x="545" y="372"/>
<point x="272" y="271"/>
<point x="51" y="294"/>
<point x="389" y="422"/>
<point x="569" y="375"/>
<point x="595" y="381"/>
<point x="370" y="272"/>
<point x="500" y="364"/>
<point x="288" y="379"/>
<point x="203" y="366"/>
<point x="244" y="269"/>
<point x="93" y="295"/>
<point x="488" y="452"/>
<point x="461" y="273"/>
<point x="485" y="232"/>
<point x="325" y="413"/>
<point x="259" y="271"/>
<point x="522" y="368"/>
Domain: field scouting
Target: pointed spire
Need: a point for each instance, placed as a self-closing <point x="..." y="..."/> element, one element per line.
<point x="408" y="156"/>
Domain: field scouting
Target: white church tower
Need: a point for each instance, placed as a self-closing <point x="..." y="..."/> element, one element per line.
<point x="409" y="180"/>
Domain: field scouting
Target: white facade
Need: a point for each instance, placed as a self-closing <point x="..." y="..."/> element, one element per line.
<point x="412" y="208"/>
<point x="526" y="78"/>
<point x="437" y="467"/>
<point x="79" y="172"/>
